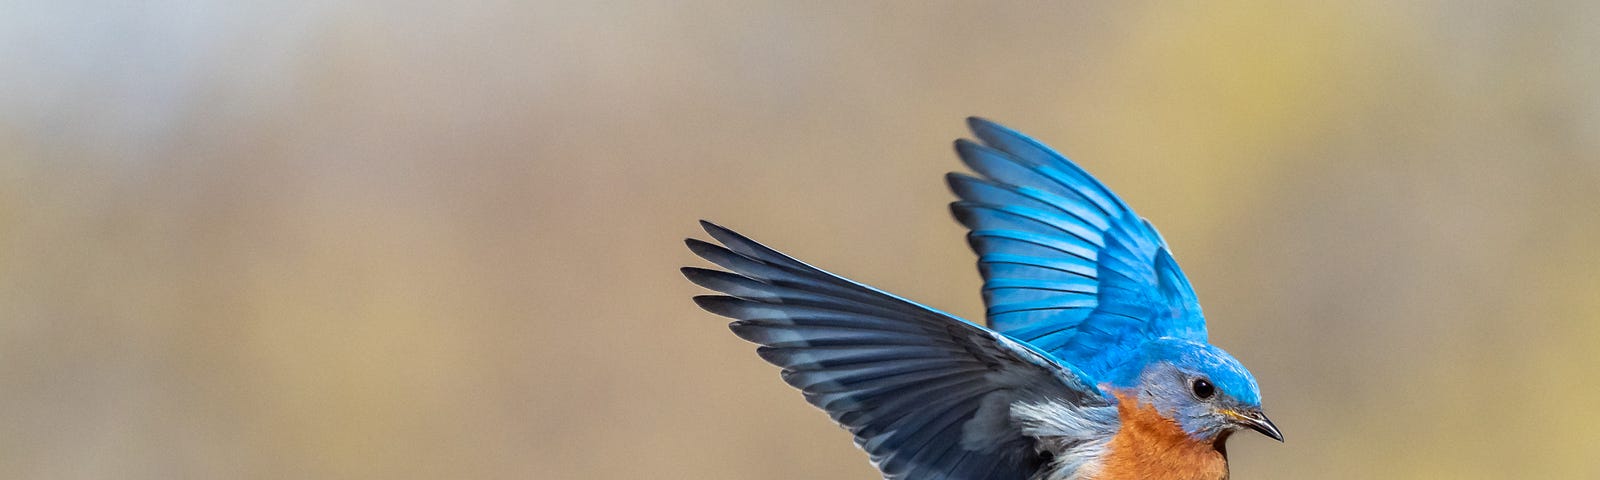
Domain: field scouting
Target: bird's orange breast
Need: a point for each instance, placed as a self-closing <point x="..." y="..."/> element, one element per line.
<point x="1152" y="447"/>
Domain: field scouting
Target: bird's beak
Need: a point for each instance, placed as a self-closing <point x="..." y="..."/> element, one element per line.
<point x="1255" y="420"/>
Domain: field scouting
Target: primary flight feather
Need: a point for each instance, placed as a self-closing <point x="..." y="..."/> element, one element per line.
<point x="1094" y="366"/>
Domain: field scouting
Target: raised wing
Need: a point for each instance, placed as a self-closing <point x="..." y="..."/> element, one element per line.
<point x="1067" y="266"/>
<point x="927" y="395"/>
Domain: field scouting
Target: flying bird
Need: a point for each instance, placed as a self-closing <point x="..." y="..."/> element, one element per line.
<point x="1094" y="364"/>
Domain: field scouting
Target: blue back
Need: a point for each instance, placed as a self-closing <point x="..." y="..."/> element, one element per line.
<point x="1067" y="266"/>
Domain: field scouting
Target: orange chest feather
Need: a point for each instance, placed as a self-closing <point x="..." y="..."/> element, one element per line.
<point x="1151" y="447"/>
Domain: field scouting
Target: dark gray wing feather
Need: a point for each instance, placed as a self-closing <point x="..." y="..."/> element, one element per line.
<point x="926" y="394"/>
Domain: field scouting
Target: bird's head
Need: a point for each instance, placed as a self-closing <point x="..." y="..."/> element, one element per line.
<point x="1199" y="386"/>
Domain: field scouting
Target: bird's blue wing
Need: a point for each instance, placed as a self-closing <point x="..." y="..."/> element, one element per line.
<point x="927" y="395"/>
<point x="1067" y="266"/>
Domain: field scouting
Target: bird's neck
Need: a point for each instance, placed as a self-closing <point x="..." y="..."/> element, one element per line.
<point x="1153" y="447"/>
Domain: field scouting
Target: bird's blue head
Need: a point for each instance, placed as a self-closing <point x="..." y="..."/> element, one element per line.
<point x="1204" y="389"/>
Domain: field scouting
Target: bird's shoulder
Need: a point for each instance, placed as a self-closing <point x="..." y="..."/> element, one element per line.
<point x="1150" y="446"/>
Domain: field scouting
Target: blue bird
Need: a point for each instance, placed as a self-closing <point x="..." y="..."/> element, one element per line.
<point x="1094" y="364"/>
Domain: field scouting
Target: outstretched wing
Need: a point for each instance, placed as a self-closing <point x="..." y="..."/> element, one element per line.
<point x="927" y="395"/>
<point x="1067" y="266"/>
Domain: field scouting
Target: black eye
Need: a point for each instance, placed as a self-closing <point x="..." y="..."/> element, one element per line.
<point x="1203" y="389"/>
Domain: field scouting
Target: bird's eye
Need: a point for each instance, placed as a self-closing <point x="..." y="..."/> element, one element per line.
<point x="1203" y="388"/>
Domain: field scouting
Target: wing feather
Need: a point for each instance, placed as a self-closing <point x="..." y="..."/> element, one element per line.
<point x="908" y="381"/>
<point x="1067" y="266"/>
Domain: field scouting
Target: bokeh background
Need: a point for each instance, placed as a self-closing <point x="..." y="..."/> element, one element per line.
<point x="373" y="240"/>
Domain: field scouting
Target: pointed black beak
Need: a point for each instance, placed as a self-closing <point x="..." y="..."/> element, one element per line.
<point x="1259" y="422"/>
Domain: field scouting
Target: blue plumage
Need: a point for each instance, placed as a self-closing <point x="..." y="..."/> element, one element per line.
<point x="1081" y="292"/>
<point x="1031" y="193"/>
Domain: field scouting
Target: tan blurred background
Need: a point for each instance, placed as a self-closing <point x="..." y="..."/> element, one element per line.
<point x="364" y="240"/>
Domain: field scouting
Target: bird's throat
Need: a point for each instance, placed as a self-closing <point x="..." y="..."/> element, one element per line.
<point x="1151" y="446"/>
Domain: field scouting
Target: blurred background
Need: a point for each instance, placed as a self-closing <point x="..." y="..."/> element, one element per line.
<point x="369" y="240"/>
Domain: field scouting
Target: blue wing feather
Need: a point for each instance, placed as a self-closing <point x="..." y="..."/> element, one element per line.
<point x="1065" y="172"/>
<point x="908" y="381"/>
<point x="1067" y="266"/>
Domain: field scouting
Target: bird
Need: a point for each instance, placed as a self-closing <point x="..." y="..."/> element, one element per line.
<point x="1094" y="363"/>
